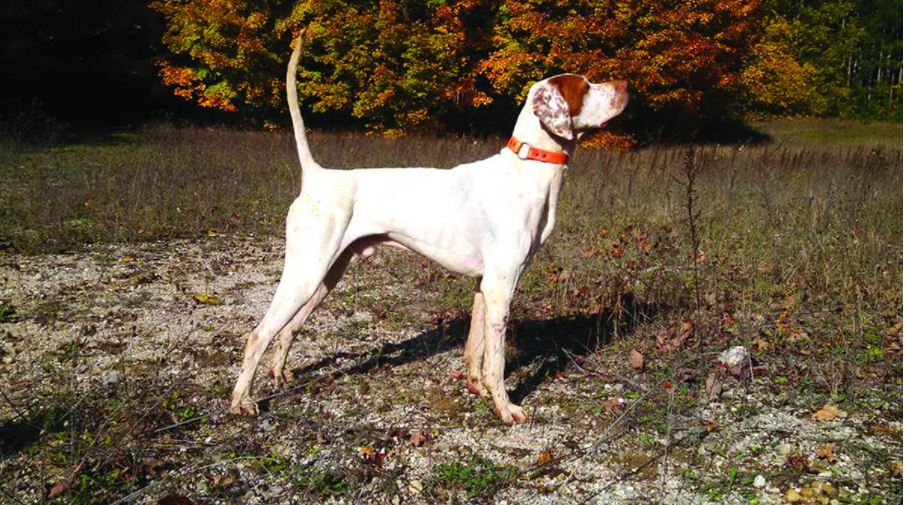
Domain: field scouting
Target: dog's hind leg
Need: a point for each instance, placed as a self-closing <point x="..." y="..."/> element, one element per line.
<point x="474" y="346"/>
<point x="312" y="241"/>
<point x="288" y="333"/>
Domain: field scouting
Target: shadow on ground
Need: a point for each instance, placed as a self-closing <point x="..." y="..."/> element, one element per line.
<point x="547" y="344"/>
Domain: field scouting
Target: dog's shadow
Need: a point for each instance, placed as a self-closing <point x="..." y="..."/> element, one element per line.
<point x="544" y="345"/>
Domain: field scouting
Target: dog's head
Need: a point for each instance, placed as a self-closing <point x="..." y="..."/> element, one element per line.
<point x="568" y="104"/>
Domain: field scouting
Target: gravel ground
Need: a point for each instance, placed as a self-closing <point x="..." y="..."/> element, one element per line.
<point x="150" y="336"/>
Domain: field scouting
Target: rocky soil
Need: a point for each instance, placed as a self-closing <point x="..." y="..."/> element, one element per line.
<point x="117" y="364"/>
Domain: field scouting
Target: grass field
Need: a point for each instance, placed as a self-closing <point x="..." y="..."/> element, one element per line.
<point x="666" y="255"/>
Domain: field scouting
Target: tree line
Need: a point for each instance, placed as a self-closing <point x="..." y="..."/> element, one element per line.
<point x="397" y="66"/>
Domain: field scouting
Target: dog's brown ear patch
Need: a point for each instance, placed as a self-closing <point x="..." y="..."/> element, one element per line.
<point x="573" y="88"/>
<point x="553" y="111"/>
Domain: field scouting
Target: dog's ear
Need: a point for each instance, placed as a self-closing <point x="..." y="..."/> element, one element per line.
<point x="553" y="111"/>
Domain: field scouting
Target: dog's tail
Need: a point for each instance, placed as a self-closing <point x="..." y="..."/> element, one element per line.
<point x="298" y="126"/>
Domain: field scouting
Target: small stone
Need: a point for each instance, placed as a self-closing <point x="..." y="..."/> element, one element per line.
<point x="112" y="377"/>
<point x="785" y="449"/>
<point x="733" y="356"/>
<point x="828" y="489"/>
<point x="760" y="481"/>
<point x="415" y="487"/>
<point x="792" y="496"/>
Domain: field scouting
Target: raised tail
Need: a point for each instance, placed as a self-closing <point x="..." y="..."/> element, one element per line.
<point x="298" y="126"/>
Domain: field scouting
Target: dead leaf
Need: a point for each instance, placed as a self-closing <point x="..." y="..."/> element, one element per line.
<point x="797" y="462"/>
<point x="761" y="346"/>
<point x="828" y="412"/>
<point x="458" y="375"/>
<point x="221" y="481"/>
<point x="894" y="329"/>
<point x="782" y="322"/>
<point x="419" y="438"/>
<point x="668" y="340"/>
<point x="207" y="299"/>
<point x="617" y="251"/>
<point x="59" y="487"/>
<point x="127" y="259"/>
<point x="797" y="334"/>
<point x="888" y="429"/>
<point x="544" y="457"/>
<point x="688" y="326"/>
<point x="825" y="451"/>
<point x="664" y="337"/>
<point x="614" y="406"/>
<point x="558" y="375"/>
<point x="713" y="387"/>
<point x="636" y="360"/>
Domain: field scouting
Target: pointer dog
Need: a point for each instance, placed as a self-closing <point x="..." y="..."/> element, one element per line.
<point x="483" y="219"/>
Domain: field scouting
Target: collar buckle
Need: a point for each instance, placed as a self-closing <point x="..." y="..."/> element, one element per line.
<point x="524" y="151"/>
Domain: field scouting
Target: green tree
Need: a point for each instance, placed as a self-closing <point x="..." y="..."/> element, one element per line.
<point x="848" y="52"/>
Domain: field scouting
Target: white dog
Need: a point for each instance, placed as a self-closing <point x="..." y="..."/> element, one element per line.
<point x="483" y="219"/>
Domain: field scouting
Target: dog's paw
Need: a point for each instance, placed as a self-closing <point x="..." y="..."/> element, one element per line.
<point x="518" y="414"/>
<point x="281" y="376"/>
<point x="476" y="387"/>
<point x="512" y="414"/>
<point x="246" y="406"/>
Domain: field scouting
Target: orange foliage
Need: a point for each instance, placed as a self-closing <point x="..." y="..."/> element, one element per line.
<point x="403" y="64"/>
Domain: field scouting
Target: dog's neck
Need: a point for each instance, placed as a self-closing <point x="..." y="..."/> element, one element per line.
<point x="529" y="130"/>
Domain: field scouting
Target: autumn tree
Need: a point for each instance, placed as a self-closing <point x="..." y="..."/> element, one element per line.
<point x="676" y="55"/>
<point x="775" y="81"/>
<point x="395" y="65"/>
<point x="399" y="65"/>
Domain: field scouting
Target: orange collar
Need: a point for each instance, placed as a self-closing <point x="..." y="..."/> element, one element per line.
<point x="526" y="152"/>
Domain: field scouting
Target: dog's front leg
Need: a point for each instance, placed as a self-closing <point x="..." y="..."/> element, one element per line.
<point x="498" y="289"/>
